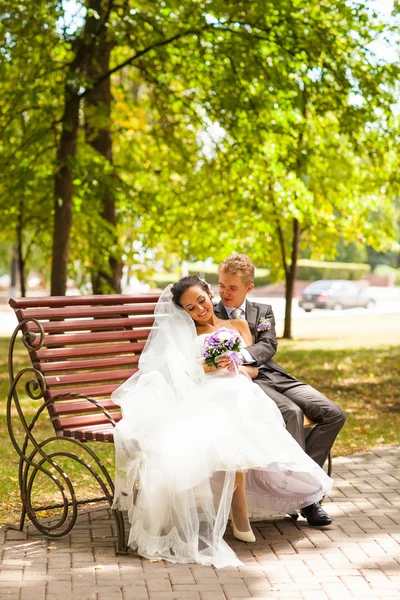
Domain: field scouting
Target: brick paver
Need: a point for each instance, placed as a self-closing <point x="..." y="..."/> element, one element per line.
<point x="356" y="557"/>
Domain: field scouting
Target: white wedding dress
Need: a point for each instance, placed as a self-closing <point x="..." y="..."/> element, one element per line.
<point x="184" y="435"/>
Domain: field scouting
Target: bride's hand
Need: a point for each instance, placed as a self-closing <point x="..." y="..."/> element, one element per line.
<point x="206" y="368"/>
<point x="225" y="362"/>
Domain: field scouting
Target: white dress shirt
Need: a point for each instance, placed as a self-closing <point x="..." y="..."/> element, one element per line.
<point x="248" y="359"/>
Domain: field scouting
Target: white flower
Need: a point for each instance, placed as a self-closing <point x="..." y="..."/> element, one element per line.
<point x="224" y="336"/>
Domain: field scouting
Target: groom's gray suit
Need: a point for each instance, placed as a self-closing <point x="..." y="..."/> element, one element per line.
<point x="293" y="397"/>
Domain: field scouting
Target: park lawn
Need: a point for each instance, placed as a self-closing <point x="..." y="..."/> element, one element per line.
<point x="354" y="361"/>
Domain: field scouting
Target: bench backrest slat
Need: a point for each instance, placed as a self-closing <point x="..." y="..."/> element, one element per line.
<point x="96" y="364"/>
<point x="91" y="324"/>
<point x="81" y="351"/>
<point x="66" y="301"/>
<point x="81" y="312"/>
<point x="96" y="337"/>
<point x="88" y="377"/>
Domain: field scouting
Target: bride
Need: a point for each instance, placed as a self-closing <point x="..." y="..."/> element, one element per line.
<point x="197" y="443"/>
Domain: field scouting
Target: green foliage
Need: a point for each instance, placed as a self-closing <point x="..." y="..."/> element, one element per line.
<point x="351" y="253"/>
<point x="311" y="270"/>
<point x="5" y="258"/>
<point x="208" y="272"/>
<point x="281" y="115"/>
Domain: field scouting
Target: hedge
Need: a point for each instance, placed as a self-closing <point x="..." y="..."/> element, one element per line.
<point x="308" y="270"/>
<point x="311" y="270"/>
<point x="209" y="272"/>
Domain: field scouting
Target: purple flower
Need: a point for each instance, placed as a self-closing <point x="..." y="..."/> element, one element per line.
<point x="222" y="341"/>
<point x="264" y="324"/>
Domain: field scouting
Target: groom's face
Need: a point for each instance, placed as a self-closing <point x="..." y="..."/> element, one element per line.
<point x="232" y="289"/>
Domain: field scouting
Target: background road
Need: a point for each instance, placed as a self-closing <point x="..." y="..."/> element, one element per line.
<point x="387" y="302"/>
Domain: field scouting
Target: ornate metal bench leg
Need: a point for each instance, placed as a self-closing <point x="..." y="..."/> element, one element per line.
<point x="19" y="527"/>
<point x="22" y="519"/>
<point x="122" y="547"/>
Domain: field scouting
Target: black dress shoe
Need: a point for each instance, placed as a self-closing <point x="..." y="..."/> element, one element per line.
<point x="315" y="515"/>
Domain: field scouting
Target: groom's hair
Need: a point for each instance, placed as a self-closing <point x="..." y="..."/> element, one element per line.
<point x="238" y="264"/>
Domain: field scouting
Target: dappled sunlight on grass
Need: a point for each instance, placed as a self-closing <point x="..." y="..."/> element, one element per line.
<point x="355" y="362"/>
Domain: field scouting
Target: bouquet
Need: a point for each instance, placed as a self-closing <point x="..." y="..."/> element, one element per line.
<point x="223" y="342"/>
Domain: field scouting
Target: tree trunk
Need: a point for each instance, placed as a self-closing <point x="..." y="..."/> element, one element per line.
<point x="107" y="276"/>
<point x="63" y="193"/>
<point x="20" y="256"/>
<point x="290" y="277"/>
<point x="66" y="153"/>
<point x="14" y="271"/>
<point x="291" y="272"/>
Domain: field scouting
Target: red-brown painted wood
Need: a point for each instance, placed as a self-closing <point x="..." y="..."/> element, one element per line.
<point x="103" y="433"/>
<point x="81" y="312"/>
<point x="90" y="324"/>
<point x="93" y="334"/>
<point x="59" y="301"/>
<point x="64" y="407"/>
<point x="96" y="337"/>
<point x="94" y="364"/>
<point x="93" y="391"/>
<point x="84" y="421"/>
<point x="81" y="351"/>
<point x="92" y="377"/>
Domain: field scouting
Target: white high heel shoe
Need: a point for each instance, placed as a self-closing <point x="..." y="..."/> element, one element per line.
<point x="244" y="536"/>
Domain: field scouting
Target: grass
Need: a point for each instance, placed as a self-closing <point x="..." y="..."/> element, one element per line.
<point x="353" y="359"/>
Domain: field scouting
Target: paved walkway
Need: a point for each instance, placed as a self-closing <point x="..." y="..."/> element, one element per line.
<point x="357" y="557"/>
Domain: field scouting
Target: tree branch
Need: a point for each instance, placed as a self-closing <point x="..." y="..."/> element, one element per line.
<point x="130" y="60"/>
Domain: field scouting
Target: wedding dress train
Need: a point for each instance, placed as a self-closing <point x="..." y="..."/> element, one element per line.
<point x="184" y="435"/>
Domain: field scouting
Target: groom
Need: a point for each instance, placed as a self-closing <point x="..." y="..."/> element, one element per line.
<point x="294" y="398"/>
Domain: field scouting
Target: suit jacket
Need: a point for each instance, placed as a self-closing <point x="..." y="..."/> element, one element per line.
<point x="265" y="343"/>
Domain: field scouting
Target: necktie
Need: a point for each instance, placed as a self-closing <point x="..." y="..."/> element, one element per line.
<point x="236" y="313"/>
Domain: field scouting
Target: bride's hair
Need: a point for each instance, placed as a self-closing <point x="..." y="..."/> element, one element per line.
<point x="184" y="284"/>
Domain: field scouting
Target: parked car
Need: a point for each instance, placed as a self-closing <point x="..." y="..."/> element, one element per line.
<point x="334" y="294"/>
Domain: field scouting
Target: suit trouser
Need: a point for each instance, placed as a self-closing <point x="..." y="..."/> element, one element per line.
<point x="296" y="399"/>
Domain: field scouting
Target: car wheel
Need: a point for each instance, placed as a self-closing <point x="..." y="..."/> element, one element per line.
<point x="307" y="309"/>
<point x="337" y="306"/>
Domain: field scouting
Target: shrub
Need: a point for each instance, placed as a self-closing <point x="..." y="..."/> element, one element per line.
<point x="308" y="270"/>
<point x="311" y="270"/>
<point x="209" y="272"/>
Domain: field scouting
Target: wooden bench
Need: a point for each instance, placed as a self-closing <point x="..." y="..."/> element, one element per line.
<point x="81" y="349"/>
